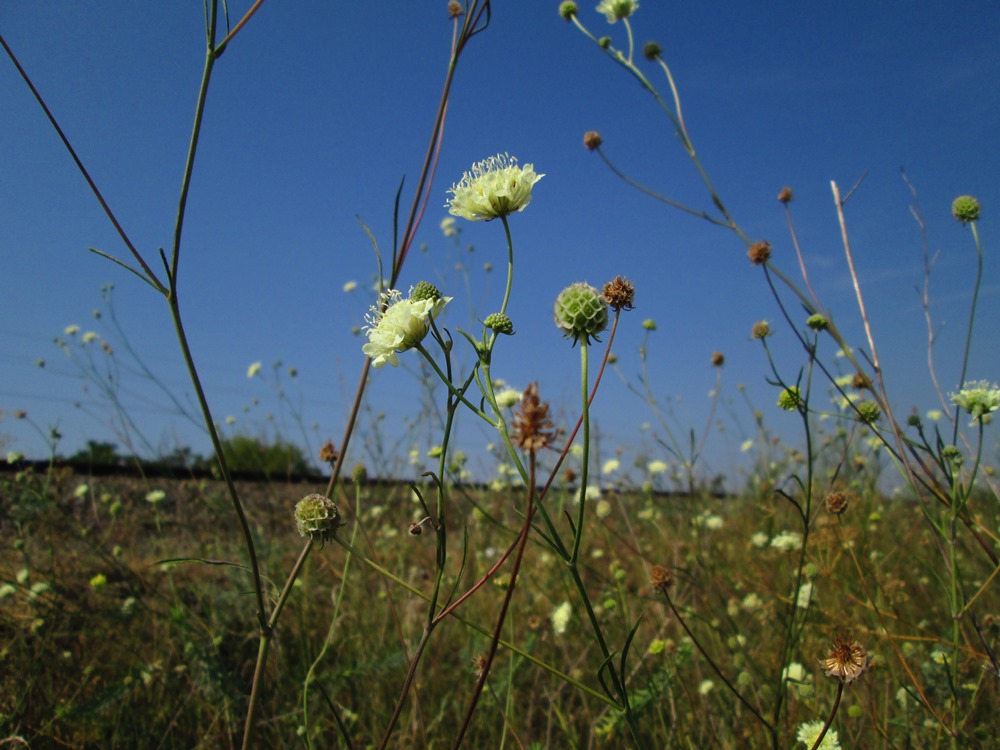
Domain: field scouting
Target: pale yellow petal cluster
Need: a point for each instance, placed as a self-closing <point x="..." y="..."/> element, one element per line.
<point x="495" y="187"/>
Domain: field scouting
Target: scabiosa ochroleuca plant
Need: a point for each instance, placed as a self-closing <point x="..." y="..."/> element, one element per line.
<point x="581" y="312"/>
<point x="399" y="324"/>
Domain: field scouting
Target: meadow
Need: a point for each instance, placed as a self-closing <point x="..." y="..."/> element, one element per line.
<point x="841" y="592"/>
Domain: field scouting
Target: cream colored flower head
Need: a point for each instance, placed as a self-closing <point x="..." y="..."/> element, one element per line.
<point x="978" y="397"/>
<point x="400" y="326"/>
<point x="615" y="10"/>
<point x="495" y="187"/>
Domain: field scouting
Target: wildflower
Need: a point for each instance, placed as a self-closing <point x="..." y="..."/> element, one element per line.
<point x="532" y="426"/>
<point x="746" y="445"/>
<point x="567" y="10"/>
<point x="610" y="466"/>
<point x="454" y="9"/>
<point x="752" y="602"/>
<point x="817" y="322"/>
<point x="155" y="496"/>
<point x="359" y="474"/>
<point x="500" y="323"/>
<point x="714" y="523"/>
<point x="619" y="293"/>
<point x="592" y="140"/>
<point x="965" y="208"/>
<point x="706" y="687"/>
<point x="317" y="516"/>
<point x="603" y="509"/>
<point x="649" y="324"/>
<point x="508" y="397"/>
<point x="759" y="252"/>
<point x="253" y="369"/>
<point x="88" y="337"/>
<point x="71" y="330"/>
<point x="934" y="415"/>
<point x="846" y="660"/>
<point x="402" y="324"/>
<point x="98" y="582"/>
<point x="495" y="187"/>
<point x="787" y="541"/>
<point x="718" y="359"/>
<point x="652" y="50"/>
<point x="581" y="312"/>
<point x="978" y="398"/>
<point x="449" y="227"/>
<point x="759" y="539"/>
<point x="350" y="286"/>
<point x="616" y="10"/>
<point x="789" y="399"/>
<point x="785" y="195"/>
<point x="804" y="596"/>
<point x="809" y="732"/>
<point x="656" y="467"/>
<point x="560" y="617"/>
<point x="13" y="457"/>
<point x="794" y="672"/>
<point x="760" y="330"/>
<point x="81" y="490"/>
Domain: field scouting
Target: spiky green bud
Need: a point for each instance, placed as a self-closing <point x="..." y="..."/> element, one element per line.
<point x="424" y="290"/>
<point x="500" y="323"/>
<point x="868" y="412"/>
<point x="817" y="322"/>
<point x="789" y="399"/>
<point x="567" y="10"/>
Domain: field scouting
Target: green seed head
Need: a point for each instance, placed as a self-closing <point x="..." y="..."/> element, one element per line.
<point x="652" y="51"/>
<point x="790" y="399"/>
<point x="760" y="329"/>
<point x="317" y="516"/>
<point x="424" y="290"/>
<point x="817" y="322"/>
<point x="868" y="412"/>
<point x="567" y="10"/>
<point x="500" y="323"/>
<point x="581" y="312"/>
<point x="965" y="208"/>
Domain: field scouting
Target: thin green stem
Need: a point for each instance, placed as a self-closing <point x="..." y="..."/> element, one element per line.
<point x="972" y="318"/>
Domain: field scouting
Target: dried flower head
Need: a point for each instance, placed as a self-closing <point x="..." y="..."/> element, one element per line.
<point x="316" y="516"/>
<point x="965" y="208"/>
<point x="454" y="9"/>
<point x="581" y="312"/>
<point x="860" y="381"/>
<point x="837" y="502"/>
<point x="846" y="660"/>
<point x="327" y="453"/>
<point x="592" y="139"/>
<point x="495" y="187"/>
<point x="532" y="425"/>
<point x="619" y="293"/>
<point x="616" y="10"/>
<point x="785" y="194"/>
<point x="660" y="578"/>
<point x="759" y="252"/>
<point x="761" y="329"/>
<point x="718" y="359"/>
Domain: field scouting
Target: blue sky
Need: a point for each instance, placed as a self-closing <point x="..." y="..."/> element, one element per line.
<point x="318" y="110"/>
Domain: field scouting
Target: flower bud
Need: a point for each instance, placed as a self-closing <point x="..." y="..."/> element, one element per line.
<point x="500" y="323"/>
<point x="652" y="51"/>
<point x="567" y="10"/>
<point x="965" y="208"/>
<point x="817" y="322"/>
<point x="759" y="252"/>
<point x="592" y="140"/>
<point x="425" y="290"/>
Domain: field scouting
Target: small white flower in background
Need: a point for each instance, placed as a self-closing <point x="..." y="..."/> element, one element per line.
<point x="88" y="337"/>
<point x="495" y="187"/>
<point x="230" y="420"/>
<point x="978" y="397"/>
<point x="759" y="539"/>
<point x="593" y="492"/>
<point x="560" y="618"/>
<point x="350" y="286"/>
<point x="656" y="467"/>
<point x="603" y="509"/>
<point x="794" y="672"/>
<point x="71" y="330"/>
<point x="253" y="369"/>
<point x="934" y="415"/>
<point x="610" y="466"/>
<point x="448" y="227"/>
<point x="155" y="496"/>
<point x="809" y="732"/>
<point x="508" y="397"/>
<point x="714" y="523"/>
<point x="81" y="490"/>
<point x="804" y="595"/>
<point x="401" y="325"/>
<point x="615" y="10"/>
<point x="787" y="541"/>
<point x="746" y="446"/>
<point x="13" y="457"/>
<point x="751" y="602"/>
<point x="706" y="687"/>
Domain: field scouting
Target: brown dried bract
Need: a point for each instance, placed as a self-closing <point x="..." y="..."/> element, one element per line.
<point x="533" y="428"/>
<point x="620" y="293"/>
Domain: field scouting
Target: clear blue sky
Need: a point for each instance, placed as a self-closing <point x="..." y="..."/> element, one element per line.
<point x="318" y="109"/>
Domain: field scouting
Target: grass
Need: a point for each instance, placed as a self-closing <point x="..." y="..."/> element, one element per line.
<point x="160" y="654"/>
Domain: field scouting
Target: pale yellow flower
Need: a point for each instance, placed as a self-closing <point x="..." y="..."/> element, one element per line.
<point x="400" y="326"/>
<point x="253" y="370"/>
<point x="560" y="617"/>
<point x="615" y="10"/>
<point x="495" y="187"/>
